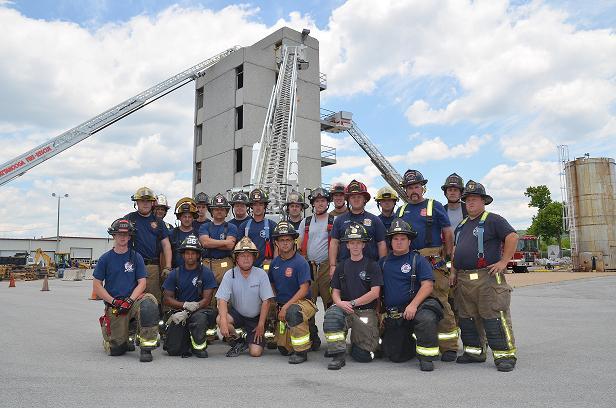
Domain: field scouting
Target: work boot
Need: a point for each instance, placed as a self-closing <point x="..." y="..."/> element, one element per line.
<point x="283" y="351"/>
<point x="505" y="364"/>
<point x="316" y="343"/>
<point x="130" y="346"/>
<point x="337" y="363"/>
<point x="449" y="356"/>
<point x="469" y="358"/>
<point x="145" y="356"/>
<point x="426" y="365"/>
<point x="298" y="357"/>
<point x="237" y="348"/>
<point x="200" y="353"/>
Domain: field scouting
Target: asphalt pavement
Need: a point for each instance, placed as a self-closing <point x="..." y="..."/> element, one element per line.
<point x="51" y="355"/>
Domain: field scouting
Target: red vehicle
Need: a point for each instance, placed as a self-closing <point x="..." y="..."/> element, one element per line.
<point x="525" y="254"/>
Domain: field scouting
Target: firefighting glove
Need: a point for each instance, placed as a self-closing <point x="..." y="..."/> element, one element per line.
<point x="191" y="306"/>
<point x="117" y="303"/>
<point x="179" y="317"/>
<point x="165" y="273"/>
<point x="127" y="303"/>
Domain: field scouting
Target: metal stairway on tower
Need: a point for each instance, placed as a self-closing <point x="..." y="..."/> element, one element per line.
<point x="274" y="157"/>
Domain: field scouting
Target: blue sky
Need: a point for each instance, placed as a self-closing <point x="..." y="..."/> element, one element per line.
<point x="486" y="89"/>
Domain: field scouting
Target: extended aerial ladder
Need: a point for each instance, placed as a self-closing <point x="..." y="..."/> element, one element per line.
<point x="21" y="164"/>
<point x="337" y="122"/>
<point x="274" y="157"/>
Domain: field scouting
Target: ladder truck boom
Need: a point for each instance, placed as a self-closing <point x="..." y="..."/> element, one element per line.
<point x="26" y="161"/>
<point x="336" y="122"/>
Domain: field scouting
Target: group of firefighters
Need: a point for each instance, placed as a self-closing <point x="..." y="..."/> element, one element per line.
<point x="406" y="282"/>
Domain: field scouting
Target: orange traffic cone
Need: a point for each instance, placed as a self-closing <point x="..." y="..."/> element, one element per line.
<point x="45" y="285"/>
<point x="93" y="296"/>
<point x="12" y="282"/>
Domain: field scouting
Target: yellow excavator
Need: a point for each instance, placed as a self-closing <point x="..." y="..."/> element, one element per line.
<point x="39" y="254"/>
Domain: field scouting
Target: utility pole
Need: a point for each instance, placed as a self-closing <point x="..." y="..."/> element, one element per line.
<point x="59" y="196"/>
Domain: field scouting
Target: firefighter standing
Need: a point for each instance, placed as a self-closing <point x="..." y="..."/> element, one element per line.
<point x="289" y="274"/>
<point x="188" y="292"/>
<point x="478" y="270"/>
<point x="151" y="236"/>
<point x="259" y="229"/>
<point x="356" y="287"/>
<point x="295" y="207"/>
<point x="161" y="208"/>
<point x="386" y="199"/>
<point x="410" y="310"/>
<point x="186" y="213"/>
<point x="435" y="242"/>
<point x="339" y="199"/>
<point x="453" y="189"/>
<point x="201" y="200"/>
<point x="123" y="272"/>
<point x="239" y="206"/>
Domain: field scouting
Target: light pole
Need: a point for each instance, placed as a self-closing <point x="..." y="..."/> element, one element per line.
<point x="59" y="196"/>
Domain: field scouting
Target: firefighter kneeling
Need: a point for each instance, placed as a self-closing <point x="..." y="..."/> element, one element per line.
<point x="290" y="276"/>
<point x="356" y="287"/>
<point x="410" y="311"/>
<point x="188" y="292"/>
<point x="123" y="271"/>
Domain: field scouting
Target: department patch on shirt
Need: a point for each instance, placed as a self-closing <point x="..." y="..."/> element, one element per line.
<point x="288" y="272"/>
<point x="362" y="275"/>
<point x="262" y="233"/>
<point x="423" y="212"/>
<point x="406" y="268"/>
<point x="154" y="224"/>
<point x="222" y="236"/>
<point x="367" y="222"/>
<point x="194" y="281"/>
<point x="129" y="267"/>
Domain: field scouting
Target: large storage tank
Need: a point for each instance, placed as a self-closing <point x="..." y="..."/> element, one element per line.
<point x="592" y="191"/>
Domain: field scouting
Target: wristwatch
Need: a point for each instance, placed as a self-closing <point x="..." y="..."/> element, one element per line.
<point x="353" y="303"/>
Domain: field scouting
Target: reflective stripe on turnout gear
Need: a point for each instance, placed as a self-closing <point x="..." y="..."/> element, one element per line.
<point x="300" y="341"/>
<point x="335" y="336"/>
<point x="475" y="351"/>
<point x="427" y="351"/>
<point x="503" y="353"/>
<point x="196" y="346"/>
<point x="448" y="336"/>
<point x="147" y="343"/>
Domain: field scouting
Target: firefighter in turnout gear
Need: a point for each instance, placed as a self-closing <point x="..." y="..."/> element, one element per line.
<point x="186" y="213"/>
<point x="202" y="200"/>
<point x="386" y="199"/>
<point x="295" y="207"/>
<point x="485" y="242"/>
<point x="259" y="229"/>
<point x="122" y="272"/>
<point x="410" y="311"/>
<point x="289" y="274"/>
<point x="338" y="197"/>
<point x="356" y="288"/>
<point x="151" y="240"/>
<point x="435" y="242"/>
<point x="315" y="232"/>
<point x="188" y="293"/>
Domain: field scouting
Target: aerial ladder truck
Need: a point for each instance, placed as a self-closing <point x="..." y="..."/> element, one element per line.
<point x="22" y="163"/>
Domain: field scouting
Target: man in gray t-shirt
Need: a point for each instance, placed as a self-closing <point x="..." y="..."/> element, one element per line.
<point x="248" y="290"/>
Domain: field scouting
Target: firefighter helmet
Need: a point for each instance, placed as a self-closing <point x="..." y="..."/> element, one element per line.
<point x="474" y="188"/>
<point x="399" y="226"/>
<point x="144" y="193"/>
<point x="121" y="225"/>
<point x="386" y="193"/>
<point x="355" y="232"/>
<point x="245" y="245"/>
<point x="161" y="201"/>
<point x="295" y="197"/>
<point x="337" y="188"/>
<point x="319" y="192"/>
<point x="453" y="180"/>
<point x="240" y="198"/>
<point x="284" y="228"/>
<point x="356" y="187"/>
<point x="202" y="198"/>
<point x="191" y="242"/>
<point x="413" y="177"/>
<point x="219" y="201"/>
<point x="258" y="196"/>
<point x="185" y="204"/>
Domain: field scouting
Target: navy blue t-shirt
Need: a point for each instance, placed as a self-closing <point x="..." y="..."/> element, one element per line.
<point x="373" y="225"/>
<point x="120" y="272"/>
<point x="359" y="278"/>
<point x="416" y="215"/>
<point x="237" y="222"/>
<point x="287" y="275"/>
<point x="397" y="271"/>
<point x="150" y="231"/>
<point x="184" y="285"/>
<point x="176" y="238"/>
<point x="218" y="232"/>
<point x="258" y="234"/>
<point x="197" y="224"/>
<point x="387" y="220"/>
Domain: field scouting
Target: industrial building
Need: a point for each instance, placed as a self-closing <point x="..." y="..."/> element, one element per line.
<point x="81" y="249"/>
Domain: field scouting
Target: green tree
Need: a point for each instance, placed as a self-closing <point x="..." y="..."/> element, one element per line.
<point x="548" y="223"/>
<point x="539" y="196"/>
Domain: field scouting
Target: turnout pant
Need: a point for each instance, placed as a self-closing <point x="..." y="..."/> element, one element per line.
<point x="218" y="267"/>
<point x="114" y="326"/>
<point x="403" y="339"/>
<point x="293" y="334"/>
<point x="153" y="282"/>
<point x="447" y="327"/>
<point x="364" y="325"/>
<point x="485" y="297"/>
<point x="320" y="285"/>
<point x="191" y="334"/>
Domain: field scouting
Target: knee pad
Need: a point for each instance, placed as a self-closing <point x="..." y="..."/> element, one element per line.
<point x="495" y="334"/>
<point x="148" y="312"/>
<point x="294" y="315"/>
<point x="433" y="305"/>
<point x="360" y="355"/>
<point x="470" y="336"/>
<point x="334" y="320"/>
